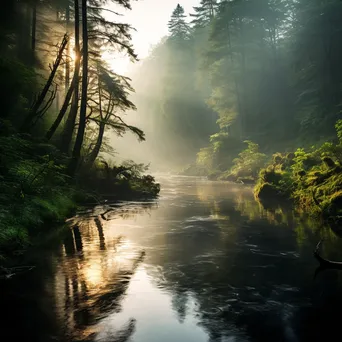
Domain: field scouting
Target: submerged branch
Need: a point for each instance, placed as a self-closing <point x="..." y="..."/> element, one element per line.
<point x="325" y="263"/>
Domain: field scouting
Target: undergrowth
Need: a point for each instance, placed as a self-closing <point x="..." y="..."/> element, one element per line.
<point x="36" y="192"/>
<point x="311" y="178"/>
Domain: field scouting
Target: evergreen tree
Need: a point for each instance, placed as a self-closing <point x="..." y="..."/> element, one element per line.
<point x="204" y="13"/>
<point x="178" y="26"/>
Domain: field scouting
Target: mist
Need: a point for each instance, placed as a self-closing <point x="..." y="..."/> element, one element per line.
<point x="231" y="72"/>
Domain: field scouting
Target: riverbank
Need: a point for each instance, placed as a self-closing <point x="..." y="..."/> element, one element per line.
<point x="37" y="192"/>
<point x="311" y="179"/>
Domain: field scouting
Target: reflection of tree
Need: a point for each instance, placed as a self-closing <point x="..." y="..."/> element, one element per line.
<point x="92" y="278"/>
<point x="179" y="304"/>
<point x="122" y="335"/>
<point x="124" y="210"/>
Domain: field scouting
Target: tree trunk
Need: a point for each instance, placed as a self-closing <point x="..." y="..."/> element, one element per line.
<point x="67" y="60"/>
<point x="66" y="136"/>
<point x="34" y="27"/>
<point x="24" y="33"/>
<point x="34" y="112"/>
<point x="63" y="110"/>
<point x="76" y="153"/>
<point x="236" y="85"/>
<point x="244" y="104"/>
<point x="96" y="150"/>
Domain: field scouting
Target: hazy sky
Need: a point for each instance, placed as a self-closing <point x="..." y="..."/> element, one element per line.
<point x="150" y="18"/>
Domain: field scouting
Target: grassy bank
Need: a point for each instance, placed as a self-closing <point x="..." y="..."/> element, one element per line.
<point x="310" y="178"/>
<point x="36" y="191"/>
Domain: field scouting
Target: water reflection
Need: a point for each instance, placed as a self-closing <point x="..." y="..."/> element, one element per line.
<point x="205" y="262"/>
<point x="92" y="276"/>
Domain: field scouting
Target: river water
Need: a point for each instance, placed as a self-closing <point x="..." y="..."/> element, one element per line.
<point x="203" y="262"/>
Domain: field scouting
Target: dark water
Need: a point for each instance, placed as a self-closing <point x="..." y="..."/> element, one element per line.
<point x="204" y="262"/>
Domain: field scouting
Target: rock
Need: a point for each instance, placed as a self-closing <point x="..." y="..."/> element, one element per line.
<point x="267" y="191"/>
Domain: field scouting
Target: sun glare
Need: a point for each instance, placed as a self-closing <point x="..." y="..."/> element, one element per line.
<point x="118" y="64"/>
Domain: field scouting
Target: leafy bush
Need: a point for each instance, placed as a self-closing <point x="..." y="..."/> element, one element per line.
<point x="34" y="189"/>
<point x="127" y="180"/>
<point x="249" y="161"/>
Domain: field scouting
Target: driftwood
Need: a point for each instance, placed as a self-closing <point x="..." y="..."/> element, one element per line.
<point x="326" y="263"/>
<point x="8" y="273"/>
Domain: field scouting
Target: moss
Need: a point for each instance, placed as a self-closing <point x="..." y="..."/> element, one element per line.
<point x="267" y="191"/>
<point x="301" y="173"/>
<point x="269" y="175"/>
<point x="290" y="156"/>
<point x="277" y="158"/>
<point x="332" y="205"/>
<point x="328" y="162"/>
<point x="35" y="189"/>
<point x="312" y="180"/>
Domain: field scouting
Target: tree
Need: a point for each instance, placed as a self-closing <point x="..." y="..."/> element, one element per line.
<point x="178" y="27"/>
<point x="108" y="101"/>
<point x="76" y="153"/>
<point x="204" y="14"/>
<point x="316" y="52"/>
<point x="67" y="133"/>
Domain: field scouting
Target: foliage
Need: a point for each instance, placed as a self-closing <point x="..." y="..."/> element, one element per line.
<point x="178" y="27"/>
<point x="249" y="161"/>
<point x="312" y="179"/>
<point x="126" y="181"/>
<point x="40" y="185"/>
<point x="204" y="13"/>
<point x="267" y="71"/>
<point x="34" y="190"/>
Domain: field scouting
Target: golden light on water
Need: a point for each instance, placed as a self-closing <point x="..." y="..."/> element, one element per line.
<point x="93" y="274"/>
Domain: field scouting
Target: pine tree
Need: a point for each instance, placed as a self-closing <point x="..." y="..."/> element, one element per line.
<point x="204" y="13"/>
<point x="178" y="27"/>
<point x="108" y="94"/>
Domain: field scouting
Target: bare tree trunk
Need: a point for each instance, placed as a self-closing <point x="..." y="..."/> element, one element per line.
<point x="76" y="153"/>
<point x="236" y="85"/>
<point x="63" y="110"/>
<point x="244" y="104"/>
<point x="24" y="33"/>
<point x="66" y="136"/>
<point x="34" y="112"/>
<point x="34" y="27"/>
<point x="96" y="150"/>
<point x="67" y="60"/>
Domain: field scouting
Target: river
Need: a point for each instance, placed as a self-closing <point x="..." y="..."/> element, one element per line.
<point x="203" y="262"/>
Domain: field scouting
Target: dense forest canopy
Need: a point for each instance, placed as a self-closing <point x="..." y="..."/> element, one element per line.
<point x="265" y="71"/>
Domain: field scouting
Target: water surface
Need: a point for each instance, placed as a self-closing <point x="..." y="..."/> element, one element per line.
<point x="204" y="262"/>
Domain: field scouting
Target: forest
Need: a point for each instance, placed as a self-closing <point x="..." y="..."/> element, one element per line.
<point x="250" y="92"/>
<point x="243" y="91"/>
<point x="60" y="100"/>
<point x="235" y="110"/>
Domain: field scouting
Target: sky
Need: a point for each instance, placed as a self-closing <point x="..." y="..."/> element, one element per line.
<point x="149" y="18"/>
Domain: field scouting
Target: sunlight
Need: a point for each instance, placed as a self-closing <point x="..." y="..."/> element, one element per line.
<point x="93" y="274"/>
<point x="118" y="64"/>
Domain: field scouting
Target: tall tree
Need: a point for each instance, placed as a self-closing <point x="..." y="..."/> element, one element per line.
<point x="67" y="133"/>
<point x="178" y="26"/>
<point x="109" y="100"/>
<point x="76" y="153"/>
<point x="204" y="13"/>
